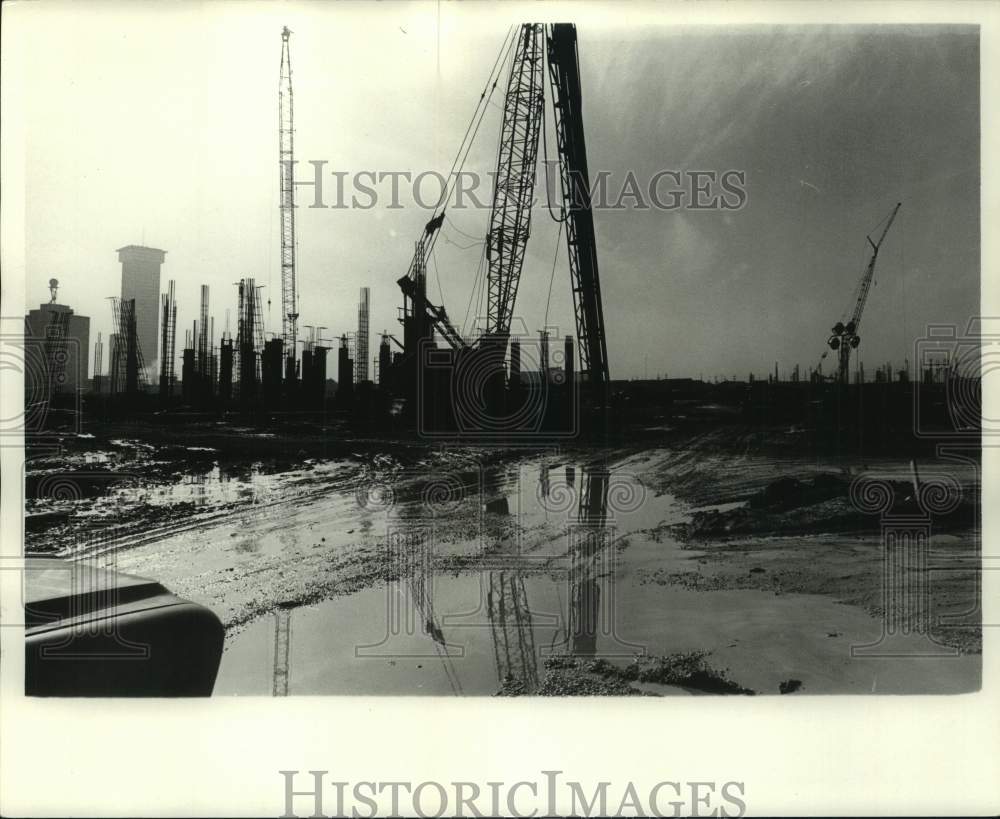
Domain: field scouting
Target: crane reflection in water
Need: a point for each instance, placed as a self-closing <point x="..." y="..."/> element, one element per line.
<point x="590" y="558"/>
<point x="548" y="597"/>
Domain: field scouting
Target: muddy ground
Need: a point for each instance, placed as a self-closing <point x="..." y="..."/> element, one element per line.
<point x="790" y="526"/>
<point x="739" y="565"/>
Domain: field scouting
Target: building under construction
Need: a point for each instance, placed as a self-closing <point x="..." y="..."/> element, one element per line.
<point x="127" y="369"/>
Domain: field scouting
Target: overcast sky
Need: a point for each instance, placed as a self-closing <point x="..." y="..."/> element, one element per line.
<point x="157" y="125"/>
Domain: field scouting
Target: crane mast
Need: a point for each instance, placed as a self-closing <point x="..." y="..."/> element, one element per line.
<point x="564" y="73"/>
<point x="845" y="337"/>
<point x="286" y="157"/>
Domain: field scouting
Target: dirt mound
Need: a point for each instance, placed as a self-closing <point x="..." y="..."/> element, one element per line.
<point x="791" y="493"/>
<point x="815" y="504"/>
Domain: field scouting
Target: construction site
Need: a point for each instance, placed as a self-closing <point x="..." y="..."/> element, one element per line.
<point x="479" y="506"/>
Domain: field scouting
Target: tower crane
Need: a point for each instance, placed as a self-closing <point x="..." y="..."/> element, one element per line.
<point x="844" y="337"/>
<point x="286" y="163"/>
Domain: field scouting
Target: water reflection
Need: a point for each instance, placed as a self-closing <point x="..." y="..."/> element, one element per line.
<point x="492" y="500"/>
<point x="215" y="486"/>
<point x="512" y="630"/>
<point x="224" y="483"/>
<point x="593" y="508"/>
<point x="410" y="607"/>
<point x="587" y="543"/>
<point x="509" y="609"/>
<point x="572" y="574"/>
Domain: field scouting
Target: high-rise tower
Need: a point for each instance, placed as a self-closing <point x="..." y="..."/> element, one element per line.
<point x="141" y="281"/>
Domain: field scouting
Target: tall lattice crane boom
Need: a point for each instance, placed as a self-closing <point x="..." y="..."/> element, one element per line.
<point x="286" y="156"/>
<point x="866" y="280"/>
<point x="514" y="188"/>
<point x="844" y="337"/>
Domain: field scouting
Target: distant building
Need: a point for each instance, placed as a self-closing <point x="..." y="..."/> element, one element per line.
<point x="60" y="338"/>
<point x="141" y="281"/>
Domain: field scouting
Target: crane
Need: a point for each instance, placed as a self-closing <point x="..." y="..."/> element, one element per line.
<point x="510" y="212"/>
<point x="844" y="337"/>
<point x="511" y="219"/>
<point x="564" y="72"/>
<point x="419" y="316"/>
<point x="514" y="185"/>
<point x="286" y="163"/>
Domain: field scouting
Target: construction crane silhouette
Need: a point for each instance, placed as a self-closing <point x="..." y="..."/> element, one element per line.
<point x="844" y="337"/>
<point x="510" y="215"/>
<point x="286" y="163"/>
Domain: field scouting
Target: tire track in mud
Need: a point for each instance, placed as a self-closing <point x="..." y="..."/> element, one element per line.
<point x="124" y="536"/>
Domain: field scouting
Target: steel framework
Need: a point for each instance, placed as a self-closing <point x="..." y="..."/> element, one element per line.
<point x="98" y="363"/>
<point x="361" y="361"/>
<point x="514" y="188"/>
<point x="286" y="156"/>
<point x="510" y="213"/>
<point x="203" y="339"/>
<point x="564" y="73"/>
<point x="168" y="342"/>
<point x="249" y="339"/>
<point x="127" y="369"/>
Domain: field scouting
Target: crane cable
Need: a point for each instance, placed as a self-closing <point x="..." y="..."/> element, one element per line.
<point x="466" y="142"/>
<point x="476" y="239"/>
<point x="475" y="288"/>
<point x="545" y="160"/>
<point x="465" y="147"/>
<point x="437" y="275"/>
<point x="553" y="274"/>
